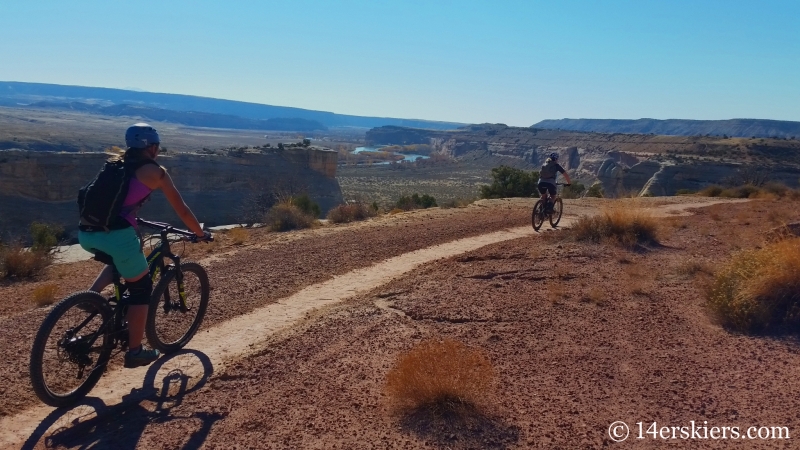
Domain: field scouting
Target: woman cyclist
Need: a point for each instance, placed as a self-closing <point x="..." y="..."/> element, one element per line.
<point x="547" y="179"/>
<point x="121" y="241"/>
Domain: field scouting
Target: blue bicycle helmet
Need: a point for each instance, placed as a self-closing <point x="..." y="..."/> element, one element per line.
<point x="554" y="156"/>
<point x="141" y="135"/>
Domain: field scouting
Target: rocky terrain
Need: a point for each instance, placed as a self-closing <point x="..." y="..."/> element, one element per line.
<point x="579" y="336"/>
<point x="624" y="164"/>
<point x="43" y="186"/>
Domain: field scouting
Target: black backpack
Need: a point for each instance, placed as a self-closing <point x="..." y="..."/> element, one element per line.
<point x="100" y="201"/>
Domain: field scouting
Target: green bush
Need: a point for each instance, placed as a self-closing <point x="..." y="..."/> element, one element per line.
<point x="305" y="204"/>
<point x="45" y="236"/>
<point x="415" y="201"/>
<point x="575" y="190"/>
<point x="595" y="191"/>
<point x="510" y="182"/>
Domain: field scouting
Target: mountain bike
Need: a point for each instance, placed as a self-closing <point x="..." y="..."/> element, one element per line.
<point x="554" y="215"/>
<point x="75" y="342"/>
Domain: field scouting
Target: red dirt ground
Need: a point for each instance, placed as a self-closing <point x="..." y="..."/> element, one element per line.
<point x="580" y="335"/>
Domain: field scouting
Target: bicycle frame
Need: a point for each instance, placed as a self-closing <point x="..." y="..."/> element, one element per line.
<point x="156" y="266"/>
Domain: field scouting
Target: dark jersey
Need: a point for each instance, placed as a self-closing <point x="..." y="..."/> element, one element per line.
<point x="549" y="172"/>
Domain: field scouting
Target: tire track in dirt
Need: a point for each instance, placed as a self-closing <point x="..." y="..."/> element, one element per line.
<point x="230" y="341"/>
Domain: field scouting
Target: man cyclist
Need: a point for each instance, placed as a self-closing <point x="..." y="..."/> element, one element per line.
<point x="547" y="180"/>
<point x="121" y="240"/>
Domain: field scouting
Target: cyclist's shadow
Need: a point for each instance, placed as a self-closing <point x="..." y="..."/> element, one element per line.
<point x="92" y="423"/>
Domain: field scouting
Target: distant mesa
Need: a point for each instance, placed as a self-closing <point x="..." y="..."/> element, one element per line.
<point x="760" y="128"/>
<point x="190" y="118"/>
<point x="14" y="93"/>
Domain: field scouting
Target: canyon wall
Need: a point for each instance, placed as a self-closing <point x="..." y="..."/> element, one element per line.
<point x="43" y="186"/>
<point x="624" y="164"/>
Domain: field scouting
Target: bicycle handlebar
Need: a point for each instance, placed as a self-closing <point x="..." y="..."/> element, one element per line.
<point x="187" y="235"/>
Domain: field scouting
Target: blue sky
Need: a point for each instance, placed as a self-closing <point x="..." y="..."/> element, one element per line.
<point x="466" y="61"/>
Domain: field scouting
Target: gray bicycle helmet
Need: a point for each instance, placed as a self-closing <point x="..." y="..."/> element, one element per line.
<point x="141" y="135"/>
<point x="554" y="156"/>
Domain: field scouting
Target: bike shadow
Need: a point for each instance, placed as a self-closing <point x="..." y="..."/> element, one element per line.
<point x="92" y="423"/>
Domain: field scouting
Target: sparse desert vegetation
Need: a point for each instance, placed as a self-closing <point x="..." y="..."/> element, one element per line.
<point x="624" y="226"/>
<point x="351" y="212"/>
<point x="759" y="290"/>
<point x="438" y="375"/>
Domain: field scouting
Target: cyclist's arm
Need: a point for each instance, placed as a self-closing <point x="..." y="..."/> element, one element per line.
<point x="565" y="174"/>
<point x="155" y="177"/>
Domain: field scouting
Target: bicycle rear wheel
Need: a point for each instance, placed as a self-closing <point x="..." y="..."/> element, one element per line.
<point x="537" y="216"/>
<point x="558" y="208"/>
<point x="71" y="349"/>
<point x="172" y="321"/>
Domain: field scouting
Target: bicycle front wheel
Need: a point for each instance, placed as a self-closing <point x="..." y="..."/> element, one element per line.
<point x="71" y="349"/>
<point x="177" y="307"/>
<point x="537" y="216"/>
<point x="558" y="208"/>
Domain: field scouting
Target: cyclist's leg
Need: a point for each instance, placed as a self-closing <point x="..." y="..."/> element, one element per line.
<point x="543" y="191"/>
<point x="140" y="288"/>
<point x="103" y="280"/>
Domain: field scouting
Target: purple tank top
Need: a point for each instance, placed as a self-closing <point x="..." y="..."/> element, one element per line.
<point x="137" y="193"/>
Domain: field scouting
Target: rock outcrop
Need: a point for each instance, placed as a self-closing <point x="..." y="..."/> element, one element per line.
<point x="625" y="164"/>
<point x="43" y="186"/>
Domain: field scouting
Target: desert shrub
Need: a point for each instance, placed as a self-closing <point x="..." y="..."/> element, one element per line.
<point x="351" y="212"/>
<point x="596" y="190"/>
<point x="777" y="189"/>
<point x="510" y="182"/>
<point x="305" y="204"/>
<point x="45" y="236"/>
<point x="436" y="373"/>
<point x="575" y="190"/>
<point x="457" y="203"/>
<point x="45" y="294"/>
<point x="395" y="211"/>
<point x="238" y="236"/>
<point x="684" y="192"/>
<point x="711" y="191"/>
<point x="285" y="216"/>
<point x="745" y="191"/>
<point x="759" y="290"/>
<point x="19" y="262"/>
<point x="415" y="201"/>
<point x="627" y="227"/>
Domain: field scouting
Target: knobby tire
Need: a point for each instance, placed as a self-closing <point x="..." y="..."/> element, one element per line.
<point x="170" y="329"/>
<point x="45" y="379"/>
<point x="537" y="215"/>
<point x="558" y="209"/>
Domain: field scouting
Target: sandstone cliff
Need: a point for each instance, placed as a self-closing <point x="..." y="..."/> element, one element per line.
<point x="623" y="163"/>
<point x="43" y="186"/>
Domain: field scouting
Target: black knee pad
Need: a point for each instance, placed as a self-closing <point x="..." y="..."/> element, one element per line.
<point x="140" y="291"/>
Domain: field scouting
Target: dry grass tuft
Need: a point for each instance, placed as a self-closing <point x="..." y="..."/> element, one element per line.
<point x="440" y="374"/>
<point x="596" y="296"/>
<point x="351" y="212"/>
<point x="759" y="290"/>
<point x="45" y="294"/>
<point x="285" y="216"/>
<point x="19" y="262"/>
<point x="627" y="227"/>
<point x="692" y="268"/>
<point x="238" y="236"/>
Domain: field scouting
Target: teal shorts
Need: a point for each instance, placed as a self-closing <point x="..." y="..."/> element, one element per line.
<point x="123" y="246"/>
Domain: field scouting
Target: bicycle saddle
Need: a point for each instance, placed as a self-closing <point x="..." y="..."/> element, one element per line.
<point x="104" y="258"/>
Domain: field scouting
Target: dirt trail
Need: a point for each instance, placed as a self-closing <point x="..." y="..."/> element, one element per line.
<point x="230" y="341"/>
